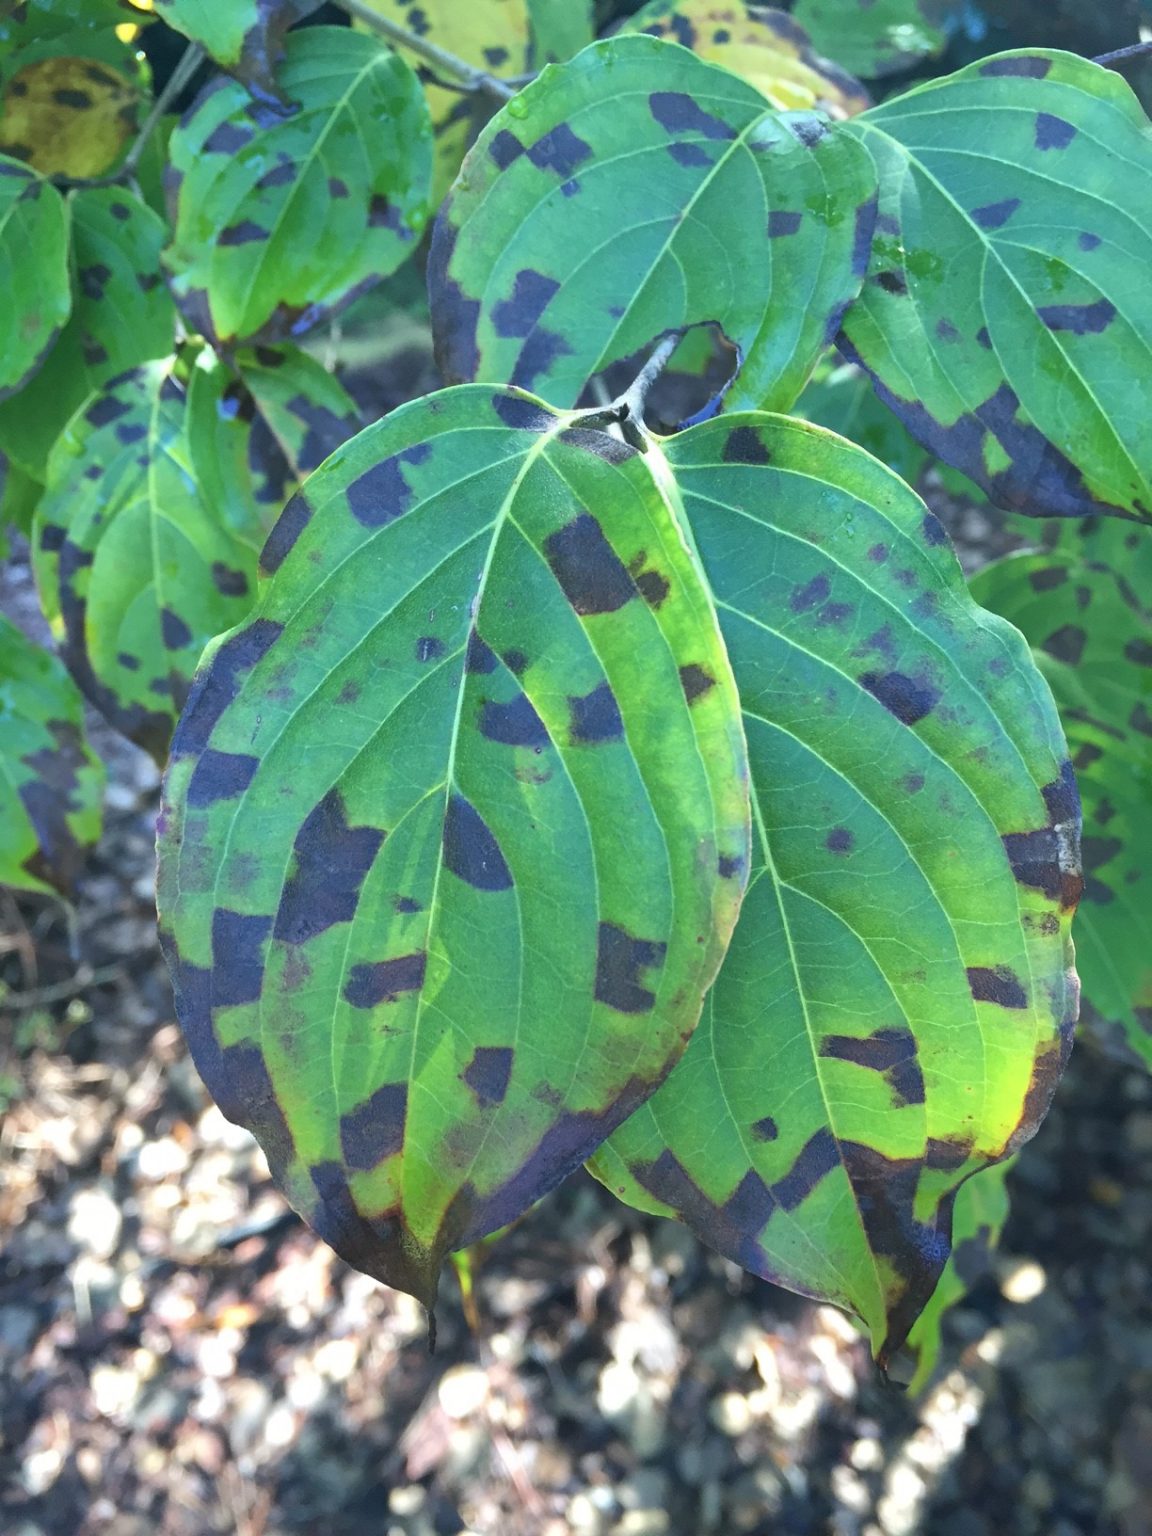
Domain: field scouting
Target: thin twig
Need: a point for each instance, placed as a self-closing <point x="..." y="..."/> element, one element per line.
<point x="190" y="61"/>
<point x="19" y="1002"/>
<point x="1134" y="50"/>
<point x="471" y="78"/>
<point x="627" y="410"/>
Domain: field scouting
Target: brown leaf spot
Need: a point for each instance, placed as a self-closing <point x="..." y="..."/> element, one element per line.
<point x="471" y="851"/>
<point x="383" y="981"/>
<point x="695" y="682"/>
<point x="998" y="985"/>
<point x="591" y="574"/>
<point x="620" y="960"/>
<point x="487" y="1074"/>
<point x="331" y="862"/>
<point x="374" y="1130"/>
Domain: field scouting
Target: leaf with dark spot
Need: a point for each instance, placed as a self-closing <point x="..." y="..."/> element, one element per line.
<point x="446" y="805"/>
<point x="64" y="114"/>
<point x="499" y="37"/>
<point x="883" y="922"/>
<point x="243" y="257"/>
<point x="115" y="325"/>
<point x="306" y="409"/>
<point x="1083" y="604"/>
<point x="763" y="45"/>
<point x="1007" y="191"/>
<point x="39" y="299"/>
<point x="51" y="784"/>
<point x="514" y="295"/>
<point x="978" y="1218"/>
<point x="150" y="569"/>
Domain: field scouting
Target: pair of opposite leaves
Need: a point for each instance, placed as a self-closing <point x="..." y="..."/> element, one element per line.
<point x="507" y="819"/>
<point x="458" y="830"/>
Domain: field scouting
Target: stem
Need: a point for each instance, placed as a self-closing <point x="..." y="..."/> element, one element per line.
<point x="627" y="410"/>
<point x="635" y="396"/>
<point x="470" y="78"/>
<point x="1134" y="50"/>
<point x="190" y="61"/>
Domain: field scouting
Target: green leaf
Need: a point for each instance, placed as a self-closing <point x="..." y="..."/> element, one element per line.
<point x="559" y="31"/>
<point x="146" y="539"/>
<point x="1085" y="607"/>
<point x="879" y="37"/>
<point x="245" y="37"/>
<point x="1007" y="317"/>
<point x="42" y="23"/>
<point x="305" y="409"/>
<point x="978" y="1219"/>
<point x="251" y="190"/>
<point x="898" y="1000"/>
<point x="455" y="826"/>
<point x="634" y="191"/>
<point x="842" y="399"/>
<point x="764" y="46"/>
<point x="33" y="271"/>
<point x="51" y="786"/>
<point x="122" y="315"/>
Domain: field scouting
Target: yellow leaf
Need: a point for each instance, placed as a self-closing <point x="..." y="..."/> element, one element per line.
<point x="68" y="116"/>
<point x="493" y="35"/>
<point x="765" y="46"/>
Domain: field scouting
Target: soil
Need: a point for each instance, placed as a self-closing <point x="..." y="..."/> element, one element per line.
<point x="180" y="1357"/>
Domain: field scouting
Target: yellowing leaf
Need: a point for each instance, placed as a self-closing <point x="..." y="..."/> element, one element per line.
<point x="68" y="116"/>
<point x="492" y="35"/>
<point x="765" y="46"/>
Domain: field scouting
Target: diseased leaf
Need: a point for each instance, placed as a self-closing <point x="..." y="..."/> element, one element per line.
<point x="146" y="539"/>
<point x="280" y="221"/>
<point x="634" y="191"/>
<point x="1007" y="316"/>
<point x="1085" y="608"/>
<point x="68" y="116"/>
<point x="842" y="399"/>
<point x="559" y="31"/>
<point x="978" y="1219"/>
<point x="763" y="45"/>
<point x="51" y="786"/>
<point x="305" y="409"/>
<point x="122" y="315"/>
<point x="455" y="826"/>
<point x="493" y="35"/>
<point x="33" y="271"/>
<point x="245" y="37"/>
<point x="879" y="37"/>
<point x="898" y="1000"/>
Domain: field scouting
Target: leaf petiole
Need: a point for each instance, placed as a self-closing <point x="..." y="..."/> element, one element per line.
<point x="627" y="410"/>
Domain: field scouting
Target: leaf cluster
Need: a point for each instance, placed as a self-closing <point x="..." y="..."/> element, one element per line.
<point x="543" y="789"/>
